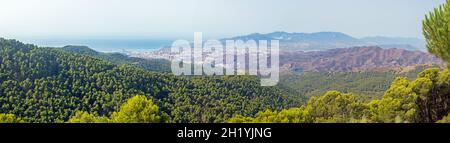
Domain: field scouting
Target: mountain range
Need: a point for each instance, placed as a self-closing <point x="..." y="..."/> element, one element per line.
<point x="354" y="59"/>
<point x="332" y="40"/>
<point x="339" y="52"/>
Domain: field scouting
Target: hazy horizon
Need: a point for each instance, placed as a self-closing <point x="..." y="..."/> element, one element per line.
<point x="175" y="19"/>
<point x="186" y="37"/>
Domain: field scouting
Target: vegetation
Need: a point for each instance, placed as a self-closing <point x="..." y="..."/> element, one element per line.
<point x="56" y="85"/>
<point x="446" y="119"/>
<point x="9" y="118"/>
<point x="365" y="85"/>
<point x="156" y="65"/>
<point x="332" y="107"/>
<point x="85" y="117"/>
<point x="422" y="100"/>
<point x="137" y="109"/>
<point x="51" y="85"/>
<point x="436" y="29"/>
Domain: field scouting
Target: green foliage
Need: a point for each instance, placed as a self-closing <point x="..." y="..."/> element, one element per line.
<point x="9" y="118"/>
<point x="294" y="115"/>
<point x="156" y="65"/>
<point x="137" y="109"/>
<point x="426" y="99"/>
<point x="423" y="100"/>
<point x="51" y="85"/>
<point x="366" y="85"/>
<point x="84" y="117"/>
<point x="397" y="104"/>
<point x="446" y="119"/>
<point x="436" y="29"/>
<point x="433" y="88"/>
<point x="331" y="108"/>
<point x="335" y="107"/>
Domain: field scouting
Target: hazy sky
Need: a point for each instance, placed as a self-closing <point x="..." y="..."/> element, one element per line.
<point x="215" y="18"/>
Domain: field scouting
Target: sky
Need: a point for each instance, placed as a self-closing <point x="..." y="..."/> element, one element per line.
<point x="215" y="18"/>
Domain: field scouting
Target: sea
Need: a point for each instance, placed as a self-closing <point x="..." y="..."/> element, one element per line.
<point x="105" y="45"/>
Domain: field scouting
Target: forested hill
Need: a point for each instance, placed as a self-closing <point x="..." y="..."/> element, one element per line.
<point x="156" y="65"/>
<point x="50" y="85"/>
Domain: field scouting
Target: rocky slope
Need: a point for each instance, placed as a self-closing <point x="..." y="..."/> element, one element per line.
<point x="357" y="59"/>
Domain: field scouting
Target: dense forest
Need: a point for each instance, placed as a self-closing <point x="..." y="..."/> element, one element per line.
<point x="423" y="100"/>
<point x="156" y="65"/>
<point x="364" y="85"/>
<point x="51" y="85"/>
<point x="62" y="85"/>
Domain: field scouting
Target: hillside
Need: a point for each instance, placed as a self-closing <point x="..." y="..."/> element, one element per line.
<point x="156" y="65"/>
<point x="357" y="59"/>
<point x="50" y="85"/>
<point x="366" y="85"/>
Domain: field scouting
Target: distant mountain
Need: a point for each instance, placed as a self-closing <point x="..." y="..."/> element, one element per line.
<point x="306" y="41"/>
<point x="399" y="42"/>
<point x="357" y="59"/>
<point x="303" y="37"/>
<point x="331" y="40"/>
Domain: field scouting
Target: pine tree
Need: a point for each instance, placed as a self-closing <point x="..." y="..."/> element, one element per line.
<point x="84" y="117"/>
<point x="436" y="29"/>
<point x="9" y="118"/>
<point x="137" y="109"/>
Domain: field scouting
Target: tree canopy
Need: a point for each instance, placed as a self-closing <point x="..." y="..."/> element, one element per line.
<point x="52" y="85"/>
<point x="9" y="118"/>
<point x="423" y="100"/>
<point x="436" y="29"/>
<point x="137" y="109"/>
